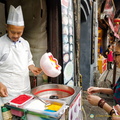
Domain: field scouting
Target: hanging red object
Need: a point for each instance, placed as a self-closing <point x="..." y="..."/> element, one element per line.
<point x="117" y="20"/>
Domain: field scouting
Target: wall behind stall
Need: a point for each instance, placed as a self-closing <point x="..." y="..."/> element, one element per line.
<point x="85" y="56"/>
<point x="2" y="19"/>
<point x="35" y="17"/>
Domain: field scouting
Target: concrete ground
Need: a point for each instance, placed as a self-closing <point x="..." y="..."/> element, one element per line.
<point x="94" y="112"/>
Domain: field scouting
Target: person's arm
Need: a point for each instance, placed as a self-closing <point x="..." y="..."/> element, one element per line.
<point x="30" y="57"/>
<point x="92" y="90"/>
<point x="106" y="53"/>
<point x="110" y="111"/>
<point x="35" y="70"/>
<point x="31" y="66"/>
<point x="3" y="90"/>
<point x="97" y="101"/>
<point x="107" y="108"/>
<point x="106" y="90"/>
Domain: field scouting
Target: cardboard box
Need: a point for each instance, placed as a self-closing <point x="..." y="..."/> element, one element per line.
<point x="102" y="65"/>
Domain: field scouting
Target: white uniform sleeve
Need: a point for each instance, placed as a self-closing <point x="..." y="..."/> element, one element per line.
<point x="30" y="60"/>
<point x="4" y="49"/>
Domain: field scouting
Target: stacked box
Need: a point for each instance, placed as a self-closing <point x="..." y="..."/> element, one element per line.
<point x="102" y="65"/>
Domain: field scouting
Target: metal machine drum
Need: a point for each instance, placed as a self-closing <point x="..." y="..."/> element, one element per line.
<point x="53" y="91"/>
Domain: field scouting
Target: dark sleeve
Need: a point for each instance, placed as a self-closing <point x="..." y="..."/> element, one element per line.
<point x="107" y="51"/>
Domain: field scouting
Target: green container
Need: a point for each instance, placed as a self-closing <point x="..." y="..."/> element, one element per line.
<point x="4" y="109"/>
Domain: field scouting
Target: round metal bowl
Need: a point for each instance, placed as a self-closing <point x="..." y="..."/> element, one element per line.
<point x="53" y="91"/>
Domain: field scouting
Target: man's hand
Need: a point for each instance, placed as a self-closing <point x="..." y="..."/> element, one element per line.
<point x="3" y="90"/>
<point x="35" y="70"/>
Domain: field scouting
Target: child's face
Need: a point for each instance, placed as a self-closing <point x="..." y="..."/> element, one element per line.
<point x="117" y="56"/>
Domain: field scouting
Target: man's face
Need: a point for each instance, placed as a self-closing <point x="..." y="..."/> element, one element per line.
<point x="15" y="32"/>
<point x="117" y="56"/>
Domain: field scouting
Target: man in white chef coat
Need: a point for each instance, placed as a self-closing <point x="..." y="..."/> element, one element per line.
<point x="15" y="59"/>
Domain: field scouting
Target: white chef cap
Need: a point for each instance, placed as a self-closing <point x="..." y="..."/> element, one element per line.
<point x="15" y="16"/>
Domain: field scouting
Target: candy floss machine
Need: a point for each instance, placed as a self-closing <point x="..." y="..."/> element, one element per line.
<point x="70" y="95"/>
<point x="64" y="103"/>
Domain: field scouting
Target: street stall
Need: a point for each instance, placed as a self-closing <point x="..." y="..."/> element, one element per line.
<point x="49" y="101"/>
<point x="66" y="107"/>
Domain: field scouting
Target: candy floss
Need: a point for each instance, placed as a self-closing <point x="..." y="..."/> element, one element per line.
<point x="49" y="65"/>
